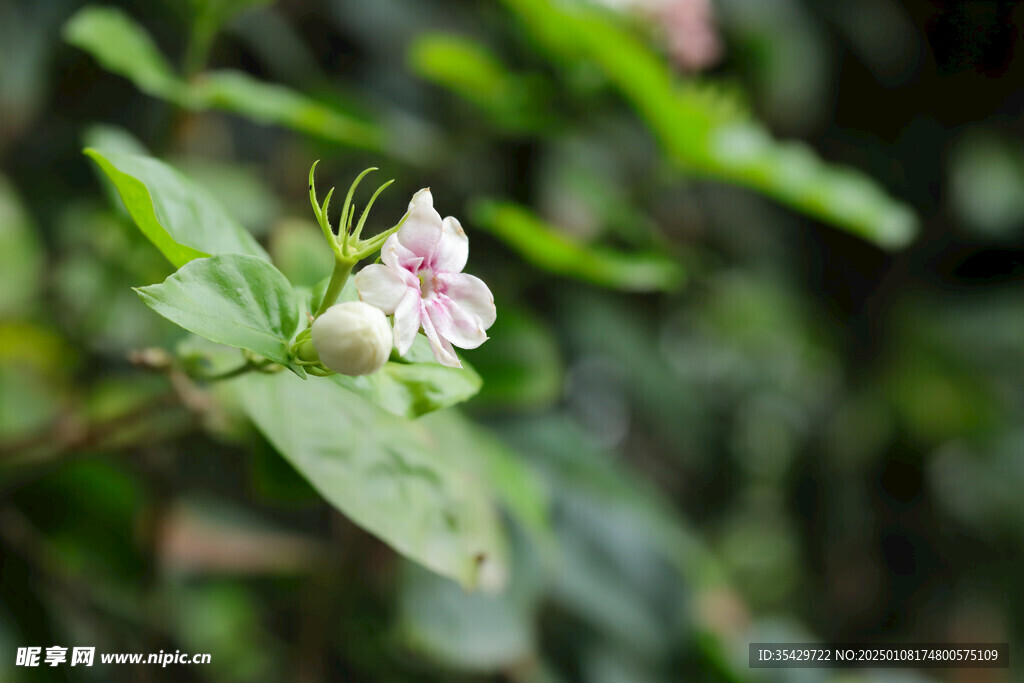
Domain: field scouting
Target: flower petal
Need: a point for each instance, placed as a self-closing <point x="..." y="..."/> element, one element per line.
<point x="396" y="256"/>
<point x="453" y="249"/>
<point x="470" y="294"/>
<point x="443" y="351"/>
<point x="454" y="324"/>
<point x="381" y="286"/>
<point x="421" y="199"/>
<point x="407" y="321"/>
<point x="421" y="231"/>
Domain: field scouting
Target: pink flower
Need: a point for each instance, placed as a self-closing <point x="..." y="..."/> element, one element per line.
<point x="690" y="31"/>
<point x="688" y="27"/>
<point x="422" y="284"/>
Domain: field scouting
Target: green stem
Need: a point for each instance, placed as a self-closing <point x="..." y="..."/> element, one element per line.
<point x="342" y="269"/>
<point x="204" y="30"/>
<point x="248" y="366"/>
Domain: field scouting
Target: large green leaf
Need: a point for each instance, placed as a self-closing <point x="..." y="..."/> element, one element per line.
<point x="232" y="299"/>
<point x="704" y="131"/>
<point x="543" y="246"/>
<point x="123" y="47"/>
<point x="391" y="476"/>
<point x="179" y="217"/>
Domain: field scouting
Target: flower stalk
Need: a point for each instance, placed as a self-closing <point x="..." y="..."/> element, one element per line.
<point x="347" y="246"/>
<point x="342" y="269"/>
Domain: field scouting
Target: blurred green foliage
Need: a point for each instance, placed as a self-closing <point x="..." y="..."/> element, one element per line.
<point x="544" y="247"/>
<point x="121" y="46"/>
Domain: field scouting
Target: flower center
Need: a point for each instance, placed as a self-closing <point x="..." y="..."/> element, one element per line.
<point x="426" y="277"/>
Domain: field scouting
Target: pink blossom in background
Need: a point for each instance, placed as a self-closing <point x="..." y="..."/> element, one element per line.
<point x="690" y="32"/>
<point x="687" y="26"/>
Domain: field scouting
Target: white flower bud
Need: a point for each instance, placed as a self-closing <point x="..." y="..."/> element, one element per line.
<point x="352" y="338"/>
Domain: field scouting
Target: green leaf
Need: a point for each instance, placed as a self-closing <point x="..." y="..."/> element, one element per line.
<point x="414" y="389"/>
<point x="744" y="153"/>
<point x="543" y="246"/>
<point x="270" y="103"/>
<point x="123" y="47"/>
<point x="240" y="188"/>
<point x="102" y="255"/>
<point x="469" y="631"/>
<point x="389" y="475"/>
<point x="463" y="65"/>
<point x="705" y="132"/>
<point x="113" y="139"/>
<point x="232" y="299"/>
<point x="522" y="492"/>
<point x="472" y="71"/>
<point x="179" y="217"/>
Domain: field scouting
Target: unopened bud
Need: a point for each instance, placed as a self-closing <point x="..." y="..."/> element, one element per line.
<point x="352" y="338"/>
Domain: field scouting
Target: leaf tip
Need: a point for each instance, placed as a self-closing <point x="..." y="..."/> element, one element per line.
<point x="898" y="229"/>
